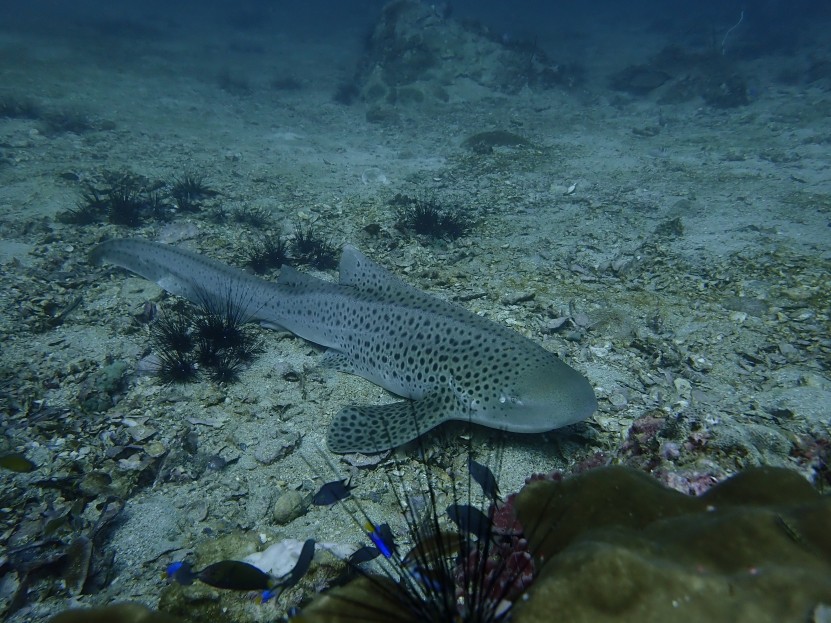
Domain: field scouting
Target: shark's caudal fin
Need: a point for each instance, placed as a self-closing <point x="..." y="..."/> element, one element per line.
<point x="176" y="270"/>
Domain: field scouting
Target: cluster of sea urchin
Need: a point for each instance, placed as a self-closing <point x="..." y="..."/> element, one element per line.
<point x="430" y="219"/>
<point x="210" y="337"/>
<point x="131" y="200"/>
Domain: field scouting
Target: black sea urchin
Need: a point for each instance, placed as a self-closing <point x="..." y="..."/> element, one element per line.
<point x="223" y="342"/>
<point x="189" y="191"/>
<point x="254" y="217"/>
<point x="172" y="341"/>
<point x="270" y="251"/>
<point x="173" y="330"/>
<point x="123" y="199"/>
<point x="313" y="249"/>
<point x="225" y="366"/>
<point x="210" y="338"/>
<point x="175" y="366"/>
<point x="429" y="218"/>
<point x="467" y="561"/>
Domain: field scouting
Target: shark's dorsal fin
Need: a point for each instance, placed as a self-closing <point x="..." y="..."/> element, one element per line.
<point x="292" y="277"/>
<point x="360" y="272"/>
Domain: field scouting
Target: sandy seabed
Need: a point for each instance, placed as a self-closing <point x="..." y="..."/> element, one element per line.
<point x="676" y="254"/>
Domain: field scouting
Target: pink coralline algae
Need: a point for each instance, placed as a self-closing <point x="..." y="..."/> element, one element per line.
<point x="503" y="518"/>
<point x="689" y="482"/>
<point x="676" y="457"/>
<point x="504" y="576"/>
<point x="813" y="453"/>
<point x="500" y="564"/>
<point x="643" y="441"/>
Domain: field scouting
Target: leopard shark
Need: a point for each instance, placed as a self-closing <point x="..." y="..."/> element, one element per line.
<point x="447" y="362"/>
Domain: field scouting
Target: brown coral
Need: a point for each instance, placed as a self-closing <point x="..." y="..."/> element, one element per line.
<point x="619" y="546"/>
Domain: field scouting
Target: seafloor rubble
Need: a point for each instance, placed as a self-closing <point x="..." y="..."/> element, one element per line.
<point x="659" y="227"/>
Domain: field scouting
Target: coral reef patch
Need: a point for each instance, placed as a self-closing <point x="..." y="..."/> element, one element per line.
<point x="619" y="546"/>
<point x="418" y="55"/>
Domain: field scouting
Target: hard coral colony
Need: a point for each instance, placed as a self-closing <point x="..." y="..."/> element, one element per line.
<point x="613" y="544"/>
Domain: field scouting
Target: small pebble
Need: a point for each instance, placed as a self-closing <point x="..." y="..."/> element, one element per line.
<point x="670" y="450"/>
<point x="216" y="463"/>
<point x="515" y="298"/>
<point x="155" y="449"/>
<point x="683" y="387"/>
<point x="289" y="506"/>
<point x="738" y="316"/>
<point x="197" y="511"/>
<point x="140" y="432"/>
<point x="618" y="401"/>
<point x="803" y="315"/>
<point x="599" y="351"/>
<point x="556" y="323"/>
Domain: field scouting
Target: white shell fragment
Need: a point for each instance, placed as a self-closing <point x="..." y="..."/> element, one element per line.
<point x="280" y="558"/>
<point x="374" y="175"/>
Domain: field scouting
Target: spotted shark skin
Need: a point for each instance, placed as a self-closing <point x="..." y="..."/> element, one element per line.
<point x="449" y="363"/>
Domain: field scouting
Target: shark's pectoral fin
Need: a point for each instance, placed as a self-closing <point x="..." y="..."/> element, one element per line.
<point x="375" y="428"/>
<point x="273" y="326"/>
<point x="336" y="360"/>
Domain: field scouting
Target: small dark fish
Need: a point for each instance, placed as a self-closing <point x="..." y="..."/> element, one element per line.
<point x="300" y="568"/>
<point x="470" y="520"/>
<point x="181" y="572"/>
<point x="381" y="537"/>
<point x="236" y="575"/>
<point x="332" y="492"/>
<point x="241" y="576"/>
<point x="231" y="574"/>
<point x="428" y="560"/>
<point x="434" y="580"/>
<point x="364" y="554"/>
<point x="304" y="560"/>
<point x="16" y="462"/>
<point x="485" y="478"/>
